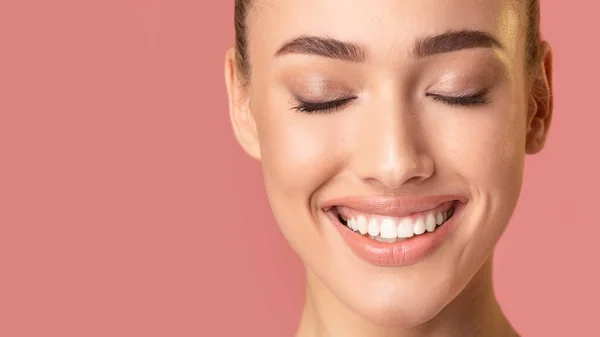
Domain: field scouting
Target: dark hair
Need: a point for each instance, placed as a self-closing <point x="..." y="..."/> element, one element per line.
<point x="242" y="7"/>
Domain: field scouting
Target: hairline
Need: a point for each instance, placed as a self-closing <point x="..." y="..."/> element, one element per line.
<point x="524" y="19"/>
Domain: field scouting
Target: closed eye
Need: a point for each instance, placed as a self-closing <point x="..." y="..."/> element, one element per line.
<point x="330" y="106"/>
<point x="464" y="100"/>
<point x="322" y="107"/>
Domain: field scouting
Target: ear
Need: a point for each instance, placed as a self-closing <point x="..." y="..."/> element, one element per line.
<point x="242" y="119"/>
<point x="541" y="103"/>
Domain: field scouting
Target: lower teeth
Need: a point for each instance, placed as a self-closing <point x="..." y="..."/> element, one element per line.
<point x="380" y="239"/>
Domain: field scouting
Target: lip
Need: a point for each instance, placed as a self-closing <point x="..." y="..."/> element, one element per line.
<point x="403" y="253"/>
<point x="393" y="206"/>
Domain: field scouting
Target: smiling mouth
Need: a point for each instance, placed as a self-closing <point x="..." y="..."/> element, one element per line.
<point x="394" y="229"/>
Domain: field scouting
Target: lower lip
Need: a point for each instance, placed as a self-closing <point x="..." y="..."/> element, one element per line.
<point x="398" y="254"/>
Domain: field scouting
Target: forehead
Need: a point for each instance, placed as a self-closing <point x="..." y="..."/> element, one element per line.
<point x="384" y="27"/>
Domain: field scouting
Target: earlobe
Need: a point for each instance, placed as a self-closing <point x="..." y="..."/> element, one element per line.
<point x="541" y="103"/>
<point x="242" y="120"/>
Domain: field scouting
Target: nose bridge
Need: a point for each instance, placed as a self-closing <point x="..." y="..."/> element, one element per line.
<point x="391" y="152"/>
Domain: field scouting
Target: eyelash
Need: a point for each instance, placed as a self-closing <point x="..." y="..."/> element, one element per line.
<point x="328" y="107"/>
<point x="322" y="107"/>
<point x="466" y="100"/>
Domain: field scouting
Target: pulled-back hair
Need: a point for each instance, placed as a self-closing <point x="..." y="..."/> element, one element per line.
<point x="242" y="8"/>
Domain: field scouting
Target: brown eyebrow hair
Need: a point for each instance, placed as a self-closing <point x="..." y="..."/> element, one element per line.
<point x="454" y="41"/>
<point x="427" y="46"/>
<point x="326" y="47"/>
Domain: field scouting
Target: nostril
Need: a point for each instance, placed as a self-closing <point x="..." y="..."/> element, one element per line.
<point x="396" y="171"/>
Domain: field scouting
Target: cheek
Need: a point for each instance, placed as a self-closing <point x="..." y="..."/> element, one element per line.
<point x="299" y="152"/>
<point x="486" y="150"/>
<point x="296" y="155"/>
<point x="486" y="147"/>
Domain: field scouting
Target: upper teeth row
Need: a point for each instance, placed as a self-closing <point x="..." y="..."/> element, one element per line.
<point x="391" y="228"/>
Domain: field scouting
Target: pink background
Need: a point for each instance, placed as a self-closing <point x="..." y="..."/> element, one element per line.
<point x="127" y="208"/>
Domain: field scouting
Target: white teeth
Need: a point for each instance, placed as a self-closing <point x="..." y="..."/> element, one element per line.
<point x="352" y="224"/>
<point x="439" y="218"/>
<point x="405" y="228"/>
<point x="373" y="228"/>
<point x="388" y="229"/>
<point x="362" y="224"/>
<point x="387" y="240"/>
<point x="430" y="222"/>
<point x="419" y="226"/>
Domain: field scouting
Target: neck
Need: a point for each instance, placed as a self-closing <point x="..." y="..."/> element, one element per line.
<point x="475" y="312"/>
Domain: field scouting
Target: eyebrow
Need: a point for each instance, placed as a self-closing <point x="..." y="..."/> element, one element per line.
<point x="423" y="47"/>
<point x="454" y="41"/>
<point x="326" y="47"/>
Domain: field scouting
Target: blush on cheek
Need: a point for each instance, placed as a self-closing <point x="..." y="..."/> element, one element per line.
<point x="486" y="149"/>
<point x="502" y="171"/>
<point x="302" y="151"/>
<point x="300" y="159"/>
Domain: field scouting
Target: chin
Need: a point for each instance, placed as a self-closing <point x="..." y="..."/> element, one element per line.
<point x="405" y="308"/>
<point x="391" y="297"/>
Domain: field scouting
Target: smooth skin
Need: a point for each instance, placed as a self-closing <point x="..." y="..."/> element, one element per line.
<point x="392" y="138"/>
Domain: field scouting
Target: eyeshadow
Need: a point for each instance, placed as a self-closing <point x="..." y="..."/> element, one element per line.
<point x="476" y="78"/>
<point x="317" y="88"/>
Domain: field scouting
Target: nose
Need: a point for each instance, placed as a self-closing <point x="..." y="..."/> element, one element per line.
<point x="391" y="151"/>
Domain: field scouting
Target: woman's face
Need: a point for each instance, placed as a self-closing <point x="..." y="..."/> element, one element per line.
<point x="412" y="122"/>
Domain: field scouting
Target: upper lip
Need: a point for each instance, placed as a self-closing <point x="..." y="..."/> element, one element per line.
<point x="393" y="206"/>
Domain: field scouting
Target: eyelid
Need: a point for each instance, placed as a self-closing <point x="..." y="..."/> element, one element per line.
<point x="465" y="98"/>
<point x="321" y="95"/>
<point x="459" y="92"/>
<point x="322" y="106"/>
